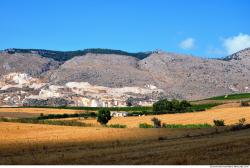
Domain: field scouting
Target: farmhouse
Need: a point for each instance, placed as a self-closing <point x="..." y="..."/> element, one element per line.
<point x="119" y="113"/>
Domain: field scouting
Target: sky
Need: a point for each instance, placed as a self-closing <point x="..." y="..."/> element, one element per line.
<point x="206" y="28"/>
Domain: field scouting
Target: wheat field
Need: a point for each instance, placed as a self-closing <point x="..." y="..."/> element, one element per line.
<point x="229" y="115"/>
<point x="47" y="144"/>
<point x="44" y="144"/>
<point x="39" y="110"/>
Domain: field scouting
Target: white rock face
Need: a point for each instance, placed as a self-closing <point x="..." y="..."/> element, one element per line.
<point x="52" y="91"/>
<point x="79" y="87"/>
<point x="19" y="80"/>
<point x="80" y="93"/>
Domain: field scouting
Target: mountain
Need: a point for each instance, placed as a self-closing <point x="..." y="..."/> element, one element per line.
<point x="110" y="76"/>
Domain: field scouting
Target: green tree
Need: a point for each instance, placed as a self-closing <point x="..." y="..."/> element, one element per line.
<point x="103" y="116"/>
<point x="160" y="106"/>
<point x="174" y="106"/>
<point x="184" y="105"/>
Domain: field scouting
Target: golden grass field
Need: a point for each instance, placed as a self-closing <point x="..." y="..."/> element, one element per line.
<point x="39" y="110"/>
<point x="229" y="115"/>
<point x="46" y="144"/>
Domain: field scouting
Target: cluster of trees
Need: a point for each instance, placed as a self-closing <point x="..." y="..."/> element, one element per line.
<point x="161" y="107"/>
<point x="173" y="106"/>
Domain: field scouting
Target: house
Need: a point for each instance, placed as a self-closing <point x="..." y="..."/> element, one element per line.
<point x="119" y="113"/>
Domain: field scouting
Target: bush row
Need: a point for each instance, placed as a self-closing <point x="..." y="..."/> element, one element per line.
<point x="56" y="116"/>
<point x="186" y="126"/>
<point x="117" y="126"/>
<point x="145" y="125"/>
<point x="193" y="108"/>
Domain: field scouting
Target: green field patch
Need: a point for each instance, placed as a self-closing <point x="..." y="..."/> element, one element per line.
<point x="186" y="126"/>
<point x="231" y="97"/>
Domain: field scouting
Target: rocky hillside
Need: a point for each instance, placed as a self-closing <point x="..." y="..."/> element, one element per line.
<point x="172" y="75"/>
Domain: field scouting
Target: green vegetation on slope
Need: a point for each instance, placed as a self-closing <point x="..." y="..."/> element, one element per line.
<point x="175" y="106"/>
<point x="202" y="107"/>
<point x="66" y="55"/>
<point x="231" y="97"/>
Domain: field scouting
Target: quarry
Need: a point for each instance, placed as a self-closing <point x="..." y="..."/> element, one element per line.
<point x="20" y="89"/>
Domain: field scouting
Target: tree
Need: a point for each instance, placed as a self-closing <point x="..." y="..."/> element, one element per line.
<point x="157" y="122"/>
<point x="160" y="106"/>
<point x="174" y="106"/>
<point x="184" y="105"/>
<point x="103" y="116"/>
<point x="129" y="102"/>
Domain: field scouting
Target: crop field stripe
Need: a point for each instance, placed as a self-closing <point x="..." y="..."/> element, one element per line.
<point x="231" y="97"/>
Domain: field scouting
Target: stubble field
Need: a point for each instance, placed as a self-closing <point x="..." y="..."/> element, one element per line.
<point x="47" y="144"/>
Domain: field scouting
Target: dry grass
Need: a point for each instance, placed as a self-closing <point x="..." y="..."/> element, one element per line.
<point x="38" y="111"/>
<point x="229" y="115"/>
<point x="46" y="144"/>
<point x="18" y="115"/>
<point x="33" y="133"/>
<point x="42" y="144"/>
<point x="227" y="105"/>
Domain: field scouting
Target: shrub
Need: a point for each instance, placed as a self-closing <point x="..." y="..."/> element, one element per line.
<point x="157" y="122"/>
<point x="4" y="120"/>
<point x="54" y="116"/>
<point x="49" y="122"/>
<point x="103" y="116"/>
<point x="117" y="126"/>
<point x="186" y="126"/>
<point x="242" y="121"/>
<point x="244" y="103"/>
<point x="162" y="138"/>
<point x="240" y="125"/>
<point x="145" y="125"/>
<point x="219" y="123"/>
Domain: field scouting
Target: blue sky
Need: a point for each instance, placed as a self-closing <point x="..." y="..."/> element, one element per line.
<point x="208" y="28"/>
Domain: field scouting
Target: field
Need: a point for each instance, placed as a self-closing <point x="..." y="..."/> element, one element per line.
<point x="232" y="97"/>
<point x="23" y="143"/>
<point x="34" y="112"/>
<point x="42" y="144"/>
<point x="229" y="115"/>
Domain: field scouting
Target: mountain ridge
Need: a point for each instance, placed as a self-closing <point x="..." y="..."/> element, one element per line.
<point x="67" y="55"/>
<point x="177" y="75"/>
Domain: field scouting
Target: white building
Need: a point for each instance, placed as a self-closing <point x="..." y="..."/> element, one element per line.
<point x="119" y="113"/>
